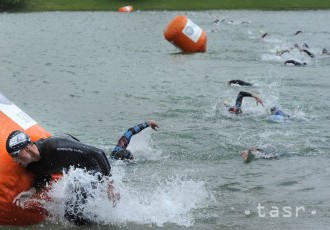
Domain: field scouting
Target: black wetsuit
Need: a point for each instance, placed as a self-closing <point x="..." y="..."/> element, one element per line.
<point x="308" y="53"/>
<point x="239" y="82"/>
<point x="58" y="154"/>
<point x="298" y="32"/>
<point x="264" y="35"/>
<point x="296" y="63"/>
<point x="239" y="100"/>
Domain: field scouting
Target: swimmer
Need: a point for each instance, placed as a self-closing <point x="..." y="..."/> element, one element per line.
<point x="237" y="108"/>
<point x="298" y="32"/>
<point x="120" y="152"/>
<point x="217" y="21"/>
<point x="264" y="35"/>
<point x="239" y="82"/>
<point x="296" y="63"/>
<point x="279" y="53"/>
<point x="277" y="111"/>
<point x="308" y="53"/>
<point x="305" y="45"/>
<point x="256" y="153"/>
<point x="304" y="50"/>
<point x="325" y="52"/>
<point x="54" y="155"/>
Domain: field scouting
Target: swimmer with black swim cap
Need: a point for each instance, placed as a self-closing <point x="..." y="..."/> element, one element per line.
<point x="280" y="53"/>
<point x="325" y="52"/>
<point x="54" y="155"/>
<point x="296" y="63"/>
<point x="304" y="50"/>
<point x="298" y="32"/>
<point x="239" y="82"/>
<point x="237" y="108"/>
<point x="264" y="35"/>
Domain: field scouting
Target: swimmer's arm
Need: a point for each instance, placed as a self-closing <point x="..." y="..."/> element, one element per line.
<point x="138" y="128"/>
<point x="258" y="99"/>
<point x="245" y="94"/>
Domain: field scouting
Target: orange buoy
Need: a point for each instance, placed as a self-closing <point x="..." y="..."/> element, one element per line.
<point x="186" y="35"/>
<point x="14" y="178"/>
<point x="126" y="9"/>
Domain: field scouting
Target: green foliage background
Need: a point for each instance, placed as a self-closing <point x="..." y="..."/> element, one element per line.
<point x="10" y="4"/>
<point x="113" y="5"/>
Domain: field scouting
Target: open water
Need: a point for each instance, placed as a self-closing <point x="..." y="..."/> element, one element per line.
<point x="95" y="74"/>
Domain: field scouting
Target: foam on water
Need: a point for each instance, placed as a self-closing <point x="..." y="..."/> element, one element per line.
<point x="172" y="201"/>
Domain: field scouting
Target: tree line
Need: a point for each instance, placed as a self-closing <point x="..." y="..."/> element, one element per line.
<point x="10" y="4"/>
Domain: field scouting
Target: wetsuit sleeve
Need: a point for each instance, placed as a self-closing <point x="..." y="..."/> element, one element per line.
<point x="239" y="82"/>
<point x="239" y="99"/>
<point x="98" y="162"/>
<point x="126" y="138"/>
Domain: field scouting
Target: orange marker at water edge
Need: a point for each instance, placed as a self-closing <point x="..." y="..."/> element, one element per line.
<point x="126" y="9"/>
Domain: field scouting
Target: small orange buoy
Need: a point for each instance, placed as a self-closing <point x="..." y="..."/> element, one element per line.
<point x="186" y="35"/>
<point x="126" y="9"/>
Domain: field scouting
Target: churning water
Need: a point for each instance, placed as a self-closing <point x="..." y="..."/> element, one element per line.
<point x="95" y="74"/>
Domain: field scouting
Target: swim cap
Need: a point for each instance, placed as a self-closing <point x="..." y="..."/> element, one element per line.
<point x="122" y="155"/>
<point x="16" y="141"/>
<point x="273" y="109"/>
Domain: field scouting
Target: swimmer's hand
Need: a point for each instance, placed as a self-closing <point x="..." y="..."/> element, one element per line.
<point x="258" y="100"/>
<point x="21" y="198"/>
<point x="113" y="196"/>
<point x="153" y="125"/>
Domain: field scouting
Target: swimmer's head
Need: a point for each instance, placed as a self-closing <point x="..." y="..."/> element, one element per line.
<point x="247" y="155"/>
<point x="235" y="110"/>
<point x="273" y="110"/>
<point x="16" y="141"/>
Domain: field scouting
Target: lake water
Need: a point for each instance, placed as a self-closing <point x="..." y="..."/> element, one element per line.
<point x="95" y="74"/>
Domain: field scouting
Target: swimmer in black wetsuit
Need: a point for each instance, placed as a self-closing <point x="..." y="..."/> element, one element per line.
<point x="237" y="108"/>
<point x="305" y="50"/>
<point x="296" y="63"/>
<point x="53" y="155"/>
<point x="239" y="82"/>
<point x="325" y="52"/>
<point x="120" y="152"/>
<point x="264" y="35"/>
<point x="279" y="53"/>
<point x="308" y="53"/>
<point x="298" y="32"/>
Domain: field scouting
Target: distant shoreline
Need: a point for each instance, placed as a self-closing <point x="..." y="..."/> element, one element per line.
<point x="172" y="5"/>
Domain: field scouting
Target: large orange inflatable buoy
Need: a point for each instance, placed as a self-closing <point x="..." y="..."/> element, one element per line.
<point x="14" y="178"/>
<point x="126" y="9"/>
<point x="186" y="35"/>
